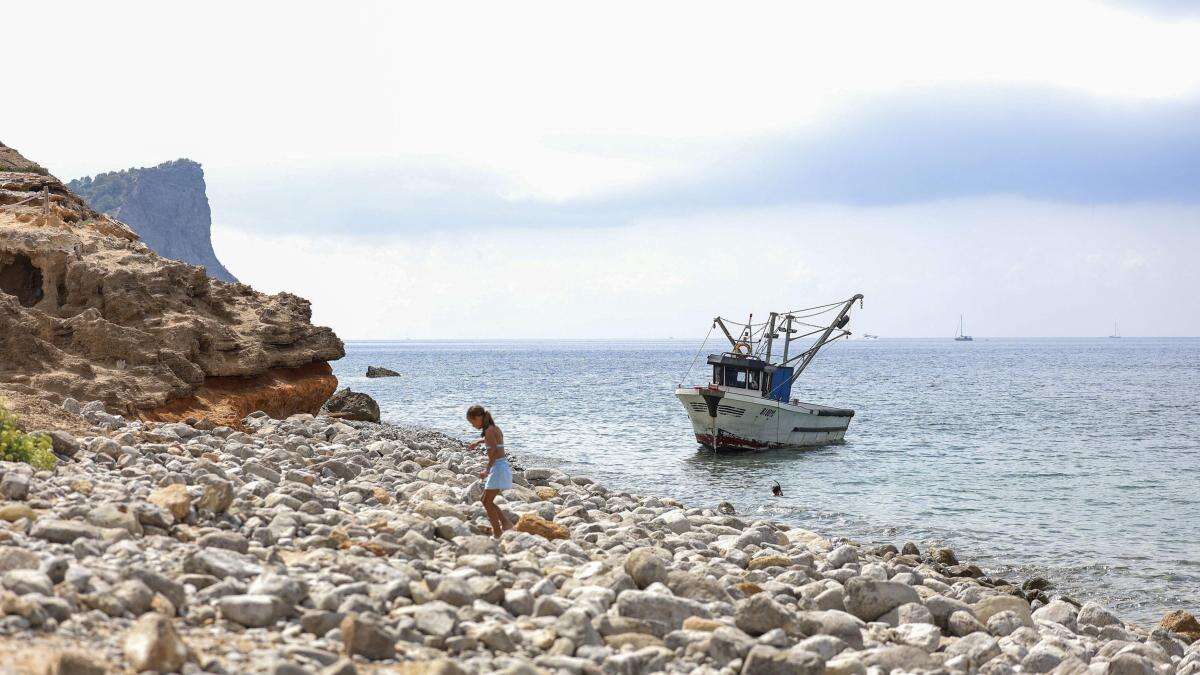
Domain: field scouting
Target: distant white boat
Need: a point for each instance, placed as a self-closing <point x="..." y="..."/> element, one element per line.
<point x="1116" y="331"/>
<point x="961" y="336"/>
<point x="868" y="336"/>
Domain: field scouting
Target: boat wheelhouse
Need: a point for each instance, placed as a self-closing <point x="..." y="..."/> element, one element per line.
<point x="748" y="403"/>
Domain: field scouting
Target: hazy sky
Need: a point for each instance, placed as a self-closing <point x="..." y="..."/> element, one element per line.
<point x="631" y="169"/>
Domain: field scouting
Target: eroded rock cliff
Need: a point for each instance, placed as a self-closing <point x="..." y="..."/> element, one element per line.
<point x="167" y="205"/>
<point x="89" y="311"/>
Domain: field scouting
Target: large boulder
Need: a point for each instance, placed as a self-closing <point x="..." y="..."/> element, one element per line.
<point x="760" y="613"/>
<point x="663" y="613"/>
<point x="988" y="607"/>
<point x="869" y="599"/>
<point x="645" y="567"/>
<point x="351" y="405"/>
<point x="766" y="660"/>
<point x="1183" y="623"/>
<point x="1097" y="615"/>
<point x="1060" y="612"/>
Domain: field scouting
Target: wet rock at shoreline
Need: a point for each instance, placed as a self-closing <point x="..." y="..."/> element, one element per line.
<point x="351" y="405"/>
<point x="380" y="371"/>
<point x="1182" y="623"/>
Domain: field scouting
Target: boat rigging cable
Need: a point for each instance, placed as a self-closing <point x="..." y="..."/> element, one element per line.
<point x="698" y="353"/>
<point x="752" y="333"/>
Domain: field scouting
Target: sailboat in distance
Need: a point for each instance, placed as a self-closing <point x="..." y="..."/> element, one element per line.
<point x="962" y="337"/>
<point x="1116" y="331"/>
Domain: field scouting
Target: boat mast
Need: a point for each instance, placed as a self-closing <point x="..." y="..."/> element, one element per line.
<point x="836" y="323"/>
<point x="770" y="334"/>
<point x="787" y="339"/>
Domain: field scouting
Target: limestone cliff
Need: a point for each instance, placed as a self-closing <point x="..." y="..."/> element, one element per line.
<point x="166" y="205"/>
<point x="88" y="311"/>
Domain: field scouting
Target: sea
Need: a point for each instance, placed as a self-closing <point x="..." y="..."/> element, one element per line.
<point x="1073" y="459"/>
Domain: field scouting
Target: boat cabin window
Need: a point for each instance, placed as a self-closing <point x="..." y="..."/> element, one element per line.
<point x="735" y="377"/>
<point x="730" y="376"/>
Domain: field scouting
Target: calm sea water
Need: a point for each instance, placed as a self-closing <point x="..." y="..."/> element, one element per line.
<point x="1078" y="460"/>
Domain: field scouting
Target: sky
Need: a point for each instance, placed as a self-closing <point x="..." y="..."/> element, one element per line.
<point x="571" y="170"/>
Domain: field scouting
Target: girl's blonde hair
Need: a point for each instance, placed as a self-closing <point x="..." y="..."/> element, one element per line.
<point x="480" y="411"/>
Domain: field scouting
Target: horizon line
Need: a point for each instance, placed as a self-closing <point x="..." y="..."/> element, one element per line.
<point x="674" y="339"/>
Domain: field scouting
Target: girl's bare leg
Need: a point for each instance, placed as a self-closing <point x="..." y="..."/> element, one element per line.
<point x="504" y="521"/>
<point x="493" y="513"/>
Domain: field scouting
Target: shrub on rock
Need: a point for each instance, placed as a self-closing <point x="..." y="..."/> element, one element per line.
<point x="18" y="446"/>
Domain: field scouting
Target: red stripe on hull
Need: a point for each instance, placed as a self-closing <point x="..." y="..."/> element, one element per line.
<point x="734" y="442"/>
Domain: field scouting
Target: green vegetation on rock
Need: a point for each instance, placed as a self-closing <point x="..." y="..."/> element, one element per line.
<point x="18" y="446"/>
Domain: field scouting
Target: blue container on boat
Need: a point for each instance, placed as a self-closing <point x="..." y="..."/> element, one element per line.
<point x="781" y="384"/>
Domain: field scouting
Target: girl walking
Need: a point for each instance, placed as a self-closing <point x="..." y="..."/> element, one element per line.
<point x="498" y="474"/>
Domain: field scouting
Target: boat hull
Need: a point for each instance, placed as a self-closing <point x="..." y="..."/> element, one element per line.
<point x="724" y="420"/>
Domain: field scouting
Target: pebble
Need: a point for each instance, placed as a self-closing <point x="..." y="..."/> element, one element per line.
<point x="278" y="547"/>
<point x="152" y="643"/>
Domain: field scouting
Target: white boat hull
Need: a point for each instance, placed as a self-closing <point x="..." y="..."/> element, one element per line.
<point x="748" y="422"/>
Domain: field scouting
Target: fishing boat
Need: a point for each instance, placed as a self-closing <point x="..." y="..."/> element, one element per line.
<point x="748" y="404"/>
<point x="961" y="336"/>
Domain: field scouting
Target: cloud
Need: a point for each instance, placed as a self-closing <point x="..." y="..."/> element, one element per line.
<point x="956" y="142"/>
<point x="1171" y="9"/>
<point x="929" y="144"/>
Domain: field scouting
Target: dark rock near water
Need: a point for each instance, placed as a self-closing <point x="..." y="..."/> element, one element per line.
<point x="1037" y="584"/>
<point x="380" y="371"/>
<point x="352" y="405"/>
<point x="965" y="570"/>
<point x="943" y="556"/>
<point x="166" y="205"/>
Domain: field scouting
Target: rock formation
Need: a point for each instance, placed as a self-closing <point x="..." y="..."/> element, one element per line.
<point x="88" y="311"/>
<point x="380" y="371"/>
<point x="166" y="205"/>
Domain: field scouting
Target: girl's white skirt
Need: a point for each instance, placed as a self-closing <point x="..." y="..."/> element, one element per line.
<point x="500" y="477"/>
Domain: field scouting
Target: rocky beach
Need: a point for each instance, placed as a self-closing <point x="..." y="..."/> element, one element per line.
<point x="319" y="545"/>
